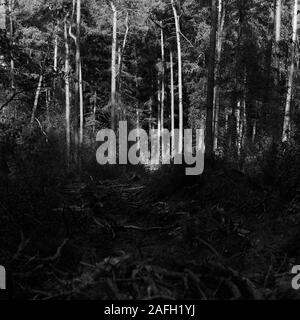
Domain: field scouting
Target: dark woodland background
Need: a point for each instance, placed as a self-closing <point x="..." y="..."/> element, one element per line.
<point x="72" y="229"/>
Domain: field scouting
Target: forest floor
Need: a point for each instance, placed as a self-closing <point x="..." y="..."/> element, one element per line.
<point x="220" y="237"/>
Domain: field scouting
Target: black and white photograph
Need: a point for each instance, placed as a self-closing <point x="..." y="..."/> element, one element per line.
<point x="150" y="151"/>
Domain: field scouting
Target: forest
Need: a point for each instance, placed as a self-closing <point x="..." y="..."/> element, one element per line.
<point x="83" y="81"/>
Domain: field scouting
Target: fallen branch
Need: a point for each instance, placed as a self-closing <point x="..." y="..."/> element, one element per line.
<point x="245" y="285"/>
<point x="57" y="254"/>
<point x="211" y="248"/>
<point x="198" y="283"/>
<point x="233" y="289"/>
<point x="135" y="228"/>
<point x="42" y="130"/>
<point x="170" y="274"/>
<point x="159" y="298"/>
<point x="23" y="244"/>
<point x="114" y="289"/>
<point x="11" y="99"/>
<point x="107" y="226"/>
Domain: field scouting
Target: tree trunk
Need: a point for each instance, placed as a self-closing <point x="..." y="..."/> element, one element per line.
<point x="287" y="115"/>
<point x="55" y="53"/>
<point x="121" y="59"/>
<point x="48" y="102"/>
<point x="11" y="35"/>
<point x="277" y="20"/>
<point x="180" y="88"/>
<point x="67" y="93"/>
<point x="244" y="114"/>
<point x="81" y="106"/>
<point x="172" y="105"/>
<point x="211" y="83"/>
<point x="150" y="116"/>
<point x="95" y="112"/>
<point x="158" y="109"/>
<point x="254" y="131"/>
<point x="226" y="122"/>
<point x="3" y="16"/>
<point x="36" y="99"/>
<point x="238" y="128"/>
<point x="221" y="21"/>
<point x="55" y="63"/>
<point x="277" y="37"/>
<point x="277" y="96"/>
<point x="78" y="84"/>
<point x="138" y="126"/>
<point x="162" y="109"/>
<point x="137" y="106"/>
<point x="268" y="92"/>
<point x="113" y="67"/>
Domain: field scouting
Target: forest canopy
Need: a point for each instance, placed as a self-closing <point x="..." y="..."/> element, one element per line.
<point x="227" y="65"/>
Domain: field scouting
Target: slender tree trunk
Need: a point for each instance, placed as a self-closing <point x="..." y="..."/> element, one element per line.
<point x="238" y="128"/>
<point x="150" y="116"/>
<point x="118" y="74"/>
<point x="36" y="99"/>
<point x="67" y="93"/>
<point x="254" y="131"/>
<point x="211" y="83"/>
<point x="121" y="54"/>
<point x="216" y="117"/>
<point x="11" y="35"/>
<point x="3" y="16"/>
<point x="221" y="21"/>
<point x="76" y="124"/>
<point x="287" y="115"/>
<point x="95" y="111"/>
<point x="180" y="88"/>
<point x="78" y="86"/>
<point x="81" y="103"/>
<point x="138" y="125"/>
<point x="231" y="127"/>
<point x="113" y="67"/>
<point x="48" y="102"/>
<point x="277" y="37"/>
<point x="158" y="109"/>
<point x="244" y="123"/>
<point x="237" y="79"/>
<point x="226" y="122"/>
<point x="121" y="59"/>
<point x="152" y="102"/>
<point x="277" y="96"/>
<point x="172" y="105"/>
<point x="277" y="20"/>
<point x="243" y="114"/>
<point x="162" y="110"/>
<point x="55" y="53"/>
<point x="55" y="63"/>
<point x="268" y="67"/>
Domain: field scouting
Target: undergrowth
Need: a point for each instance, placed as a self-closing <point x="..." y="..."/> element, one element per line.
<point x="60" y="229"/>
